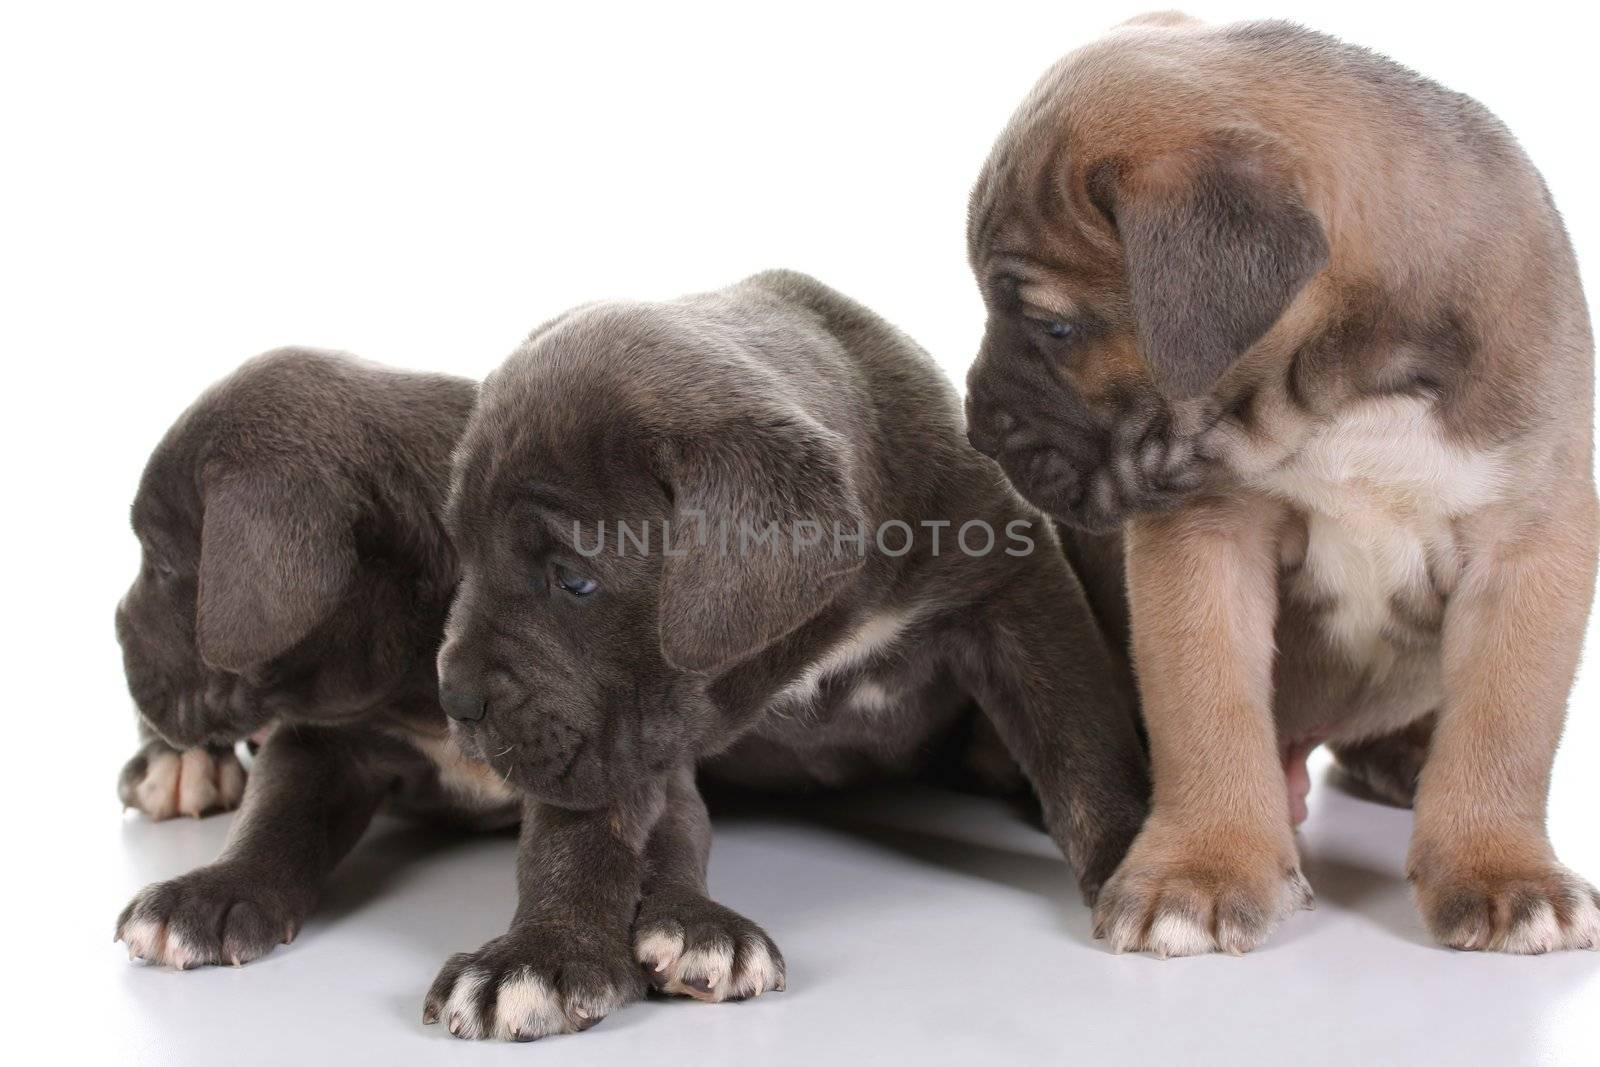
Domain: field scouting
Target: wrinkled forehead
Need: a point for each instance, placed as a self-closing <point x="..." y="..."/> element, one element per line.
<point x="1035" y="219"/>
<point x="1019" y="185"/>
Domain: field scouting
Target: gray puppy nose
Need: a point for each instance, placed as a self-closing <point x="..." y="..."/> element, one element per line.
<point x="461" y="704"/>
<point x="983" y="442"/>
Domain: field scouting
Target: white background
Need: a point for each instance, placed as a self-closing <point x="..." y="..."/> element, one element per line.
<point x="183" y="186"/>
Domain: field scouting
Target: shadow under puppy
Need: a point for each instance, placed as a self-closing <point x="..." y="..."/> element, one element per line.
<point x="295" y="579"/>
<point x="597" y="672"/>
<point x="1309" y="327"/>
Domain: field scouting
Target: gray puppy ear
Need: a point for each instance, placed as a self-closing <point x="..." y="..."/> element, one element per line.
<point x="276" y="555"/>
<point x="724" y="595"/>
<point x="1217" y="241"/>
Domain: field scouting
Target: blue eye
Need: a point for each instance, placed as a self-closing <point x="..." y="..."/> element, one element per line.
<point x="576" y="584"/>
<point x="1056" y="328"/>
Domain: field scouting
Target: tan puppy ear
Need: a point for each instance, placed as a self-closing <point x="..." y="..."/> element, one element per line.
<point x="276" y="555"/>
<point x="1217" y="241"/>
<point x="726" y="592"/>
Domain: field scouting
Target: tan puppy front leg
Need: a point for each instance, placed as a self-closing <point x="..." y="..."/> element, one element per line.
<point x="1481" y="864"/>
<point x="1215" y="867"/>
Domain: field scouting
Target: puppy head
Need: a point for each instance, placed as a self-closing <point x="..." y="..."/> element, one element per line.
<point x="229" y="581"/>
<point x="286" y="569"/>
<point x="1125" y="282"/>
<point x="577" y="657"/>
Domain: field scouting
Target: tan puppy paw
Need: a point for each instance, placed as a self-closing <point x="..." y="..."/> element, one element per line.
<point x="1182" y="897"/>
<point x="1527" y="910"/>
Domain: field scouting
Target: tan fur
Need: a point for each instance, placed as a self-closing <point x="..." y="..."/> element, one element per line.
<point x="1210" y="858"/>
<point x="471" y="783"/>
<point x="1401" y="521"/>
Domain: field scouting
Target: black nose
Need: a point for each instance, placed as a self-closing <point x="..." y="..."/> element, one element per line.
<point x="461" y="704"/>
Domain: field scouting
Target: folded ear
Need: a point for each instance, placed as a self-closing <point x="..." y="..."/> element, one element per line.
<point x="1217" y="241"/>
<point x="276" y="555"/>
<point x="726" y="592"/>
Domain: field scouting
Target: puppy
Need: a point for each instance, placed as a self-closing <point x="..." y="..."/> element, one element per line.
<point x="749" y="537"/>
<point x="1308" y="327"/>
<point x="295" y="579"/>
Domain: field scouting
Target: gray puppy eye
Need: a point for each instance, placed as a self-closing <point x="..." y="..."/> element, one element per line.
<point x="576" y="584"/>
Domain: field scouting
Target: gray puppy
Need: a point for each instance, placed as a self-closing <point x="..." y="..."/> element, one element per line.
<point x="619" y="624"/>
<point x="295" y="573"/>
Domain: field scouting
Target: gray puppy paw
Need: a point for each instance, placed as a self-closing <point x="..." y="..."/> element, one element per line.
<point x="162" y="782"/>
<point x="531" y="983"/>
<point x="695" y="947"/>
<point x="212" y="915"/>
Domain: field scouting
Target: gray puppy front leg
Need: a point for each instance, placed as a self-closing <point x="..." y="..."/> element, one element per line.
<point x="1065" y="708"/>
<point x="565" y="963"/>
<point x="688" y="944"/>
<point x="310" y="795"/>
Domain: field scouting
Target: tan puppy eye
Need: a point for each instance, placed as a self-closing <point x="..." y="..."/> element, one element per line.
<point x="1055" y="330"/>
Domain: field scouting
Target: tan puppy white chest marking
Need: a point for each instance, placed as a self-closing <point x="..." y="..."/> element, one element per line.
<point x="1378" y="488"/>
